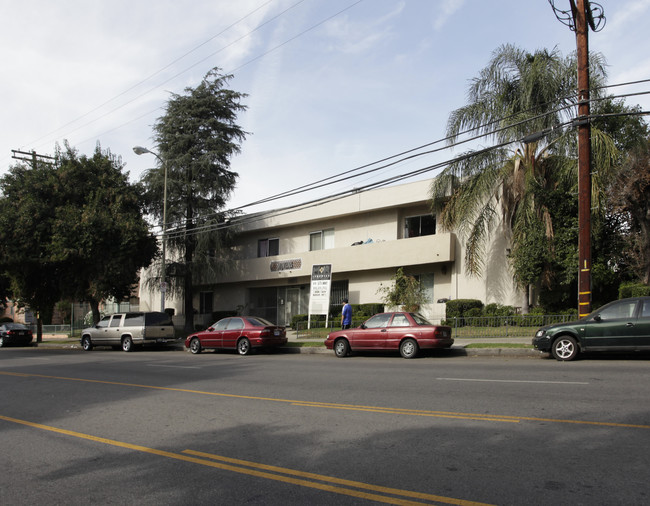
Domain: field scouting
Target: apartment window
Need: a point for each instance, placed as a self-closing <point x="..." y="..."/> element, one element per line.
<point x="268" y="247"/>
<point x="416" y="226"/>
<point x="323" y="239"/>
<point x="205" y="302"/>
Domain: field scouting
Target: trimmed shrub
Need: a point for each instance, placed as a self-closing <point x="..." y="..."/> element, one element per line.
<point x="298" y="318"/>
<point x="457" y="308"/>
<point x="633" y="290"/>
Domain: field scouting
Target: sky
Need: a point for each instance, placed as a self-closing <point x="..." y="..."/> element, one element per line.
<point x="332" y="85"/>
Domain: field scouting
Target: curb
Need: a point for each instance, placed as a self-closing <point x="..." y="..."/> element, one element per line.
<point x="456" y="351"/>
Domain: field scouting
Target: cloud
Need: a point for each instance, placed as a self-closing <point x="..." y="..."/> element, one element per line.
<point x="447" y="9"/>
<point x="361" y="36"/>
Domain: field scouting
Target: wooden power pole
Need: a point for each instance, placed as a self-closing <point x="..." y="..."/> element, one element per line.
<point x="584" y="159"/>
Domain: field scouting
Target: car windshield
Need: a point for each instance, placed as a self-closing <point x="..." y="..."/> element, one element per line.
<point x="420" y="320"/>
<point x="259" y="322"/>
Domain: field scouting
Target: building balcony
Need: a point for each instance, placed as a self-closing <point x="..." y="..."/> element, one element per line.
<point x="423" y="250"/>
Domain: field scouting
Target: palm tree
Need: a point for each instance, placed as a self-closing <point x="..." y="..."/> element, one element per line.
<point x="516" y="95"/>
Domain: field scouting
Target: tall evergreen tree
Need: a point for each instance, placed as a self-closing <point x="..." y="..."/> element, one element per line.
<point x="196" y="138"/>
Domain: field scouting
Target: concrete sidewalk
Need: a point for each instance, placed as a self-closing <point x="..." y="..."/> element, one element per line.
<point x="458" y="349"/>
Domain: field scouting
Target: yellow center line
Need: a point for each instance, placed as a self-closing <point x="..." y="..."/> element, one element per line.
<point x="351" y="407"/>
<point x="261" y="470"/>
<point x="410" y="412"/>
<point x="338" y="481"/>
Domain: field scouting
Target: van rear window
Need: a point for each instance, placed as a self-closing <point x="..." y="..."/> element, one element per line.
<point x="158" y="319"/>
<point x="133" y="320"/>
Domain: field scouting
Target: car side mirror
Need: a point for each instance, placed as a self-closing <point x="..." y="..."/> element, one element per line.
<point x="597" y="318"/>
<point x="363" y="326"/>
<point x="210" y="329"/>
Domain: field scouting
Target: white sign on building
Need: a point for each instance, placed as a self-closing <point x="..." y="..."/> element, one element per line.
<point x="321" y="284"/>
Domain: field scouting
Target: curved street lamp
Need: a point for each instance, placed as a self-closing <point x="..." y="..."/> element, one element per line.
<point x="139" y="150"/>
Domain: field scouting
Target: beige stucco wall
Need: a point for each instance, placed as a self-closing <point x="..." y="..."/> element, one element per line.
<point x="377" y="215"/>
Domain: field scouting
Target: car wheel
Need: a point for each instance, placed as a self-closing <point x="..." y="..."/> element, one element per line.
<point x="565" y="348"/>
<point x="244" y="346"/>
<point x="195" y="345"/>
<point x="86" y="343"/>
<point x="127" y="344"/>
<point x="408" y="348"/>
<point x="341" y="348"/>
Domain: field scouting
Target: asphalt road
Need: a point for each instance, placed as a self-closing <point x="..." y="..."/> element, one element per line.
<point x="162" y="427"/>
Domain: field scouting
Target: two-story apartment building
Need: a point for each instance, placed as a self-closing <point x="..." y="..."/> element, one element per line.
<point x="365" y="237"/>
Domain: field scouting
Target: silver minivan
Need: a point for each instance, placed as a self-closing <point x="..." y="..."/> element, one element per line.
<point x="126" y="330"/>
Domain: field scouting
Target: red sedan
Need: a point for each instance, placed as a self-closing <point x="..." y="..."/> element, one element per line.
<point x="406" y="332"/>
<point x="242" y="333"/>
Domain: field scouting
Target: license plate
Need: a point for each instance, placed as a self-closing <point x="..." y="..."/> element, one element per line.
<point x="276" y="332"/>
<point x="160" y="340"/>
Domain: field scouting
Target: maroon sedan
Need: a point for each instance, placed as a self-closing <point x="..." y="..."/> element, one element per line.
<point x="406" y="332"/>
<point x="242" y="333"/>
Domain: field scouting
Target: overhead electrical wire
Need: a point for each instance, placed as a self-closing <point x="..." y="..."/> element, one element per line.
<point x="151" y="76"/>
<point x="238" y="221"/>
<point x="346" y="175"/>
<point x="115" y="109"/>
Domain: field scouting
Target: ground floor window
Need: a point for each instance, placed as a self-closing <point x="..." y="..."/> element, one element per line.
<point x="339" y="291"/>
<point x="206" y="302"/>
<point x="426" y="282"/>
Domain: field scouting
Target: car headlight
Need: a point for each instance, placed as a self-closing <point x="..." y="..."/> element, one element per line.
<point x="540" y="333"/>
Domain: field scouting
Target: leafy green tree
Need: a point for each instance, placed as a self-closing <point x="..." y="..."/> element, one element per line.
<point x="26" y="222"/>
<point x="100" y="238"/>
<point x="75" y="231"/>
<point x="517" y="94"/>
<point x="196" y="138"/>
<point x="405" y="291"/>
<point x="629" y="199"/>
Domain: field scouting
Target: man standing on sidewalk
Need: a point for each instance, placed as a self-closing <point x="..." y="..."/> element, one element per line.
<point x="346" y="315"/>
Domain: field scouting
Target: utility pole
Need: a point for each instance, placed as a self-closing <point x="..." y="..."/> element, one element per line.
<point x="583" y="15"/>
<point x="34" y="157"/>
<point x="584" y="160"/>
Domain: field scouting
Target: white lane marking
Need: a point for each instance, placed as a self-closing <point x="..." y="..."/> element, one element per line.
<point x="516" y="381"/>
<point x="175" y="366"/>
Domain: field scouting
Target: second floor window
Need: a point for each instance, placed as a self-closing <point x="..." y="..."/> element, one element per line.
<point x="416" y="226"/>
<point x="268" y="247"/>
<point x="323" y="239"/>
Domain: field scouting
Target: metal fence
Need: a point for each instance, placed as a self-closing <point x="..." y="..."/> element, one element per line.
<point x="517" y="326"/>
<point x="63" y="330"/>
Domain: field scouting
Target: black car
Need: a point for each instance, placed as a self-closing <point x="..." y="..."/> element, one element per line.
<point x="622" y="325"/>
<point x="14" y="333"/>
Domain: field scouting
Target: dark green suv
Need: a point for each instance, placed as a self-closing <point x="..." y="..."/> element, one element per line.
<point x="622" y="325"/>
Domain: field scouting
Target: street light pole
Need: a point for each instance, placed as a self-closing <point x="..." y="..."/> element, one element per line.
<point x="139" y="150"/>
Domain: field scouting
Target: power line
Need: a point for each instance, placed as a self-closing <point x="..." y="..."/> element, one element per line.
<point x="238" y="221"/>
<point x="347" y="175"/>
<point x="153" y="75"/>
<point x="108" y="113"/>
